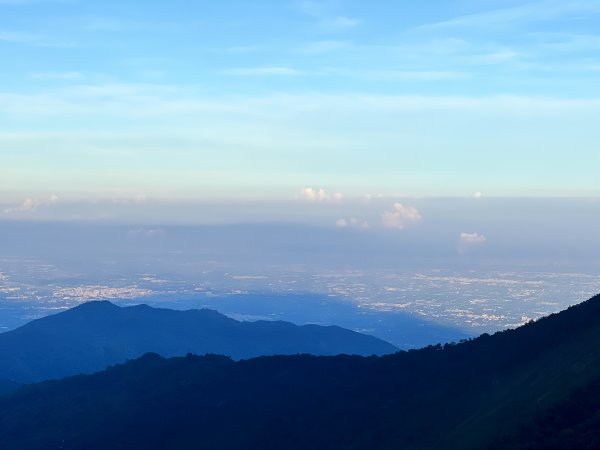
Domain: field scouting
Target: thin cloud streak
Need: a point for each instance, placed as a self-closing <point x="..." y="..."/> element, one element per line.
<point x="160" y="100"/>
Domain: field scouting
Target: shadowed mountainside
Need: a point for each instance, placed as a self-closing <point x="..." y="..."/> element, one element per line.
<point x="571" y="424"/>
<point x="94" y="335"/>
<point x="465" y="396"/>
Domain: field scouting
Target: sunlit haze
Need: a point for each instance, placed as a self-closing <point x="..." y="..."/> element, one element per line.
<point x="382" y="155"/>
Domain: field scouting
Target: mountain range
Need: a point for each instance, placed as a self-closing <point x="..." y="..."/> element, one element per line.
<point x="97" y="334"/>
<point x="485" y="393"/>
<point x="401" y="329"/>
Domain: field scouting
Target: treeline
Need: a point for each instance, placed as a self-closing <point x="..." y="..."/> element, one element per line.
<point x="462" y="396"/>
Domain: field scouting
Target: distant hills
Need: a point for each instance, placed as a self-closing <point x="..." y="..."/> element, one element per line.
<point x="470" y="396"/>
<point x="400" y="328"/>
<point x="94" y="335"/>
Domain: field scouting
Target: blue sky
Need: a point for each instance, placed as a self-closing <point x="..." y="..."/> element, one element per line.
<point x="259" y="100"/>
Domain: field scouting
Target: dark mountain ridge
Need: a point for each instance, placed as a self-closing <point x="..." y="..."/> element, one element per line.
<point x="465" y="396"/>
<point x="97" y="334"/>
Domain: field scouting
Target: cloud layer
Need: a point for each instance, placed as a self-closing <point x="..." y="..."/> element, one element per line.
<point x="320" y="195"/>
<point x="30" y="205"/>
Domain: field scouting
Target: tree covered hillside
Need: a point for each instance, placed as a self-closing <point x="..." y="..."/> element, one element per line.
<point x="465" y="396"/>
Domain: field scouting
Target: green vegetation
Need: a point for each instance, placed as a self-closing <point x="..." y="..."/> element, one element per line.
<point x="571" y="424"/>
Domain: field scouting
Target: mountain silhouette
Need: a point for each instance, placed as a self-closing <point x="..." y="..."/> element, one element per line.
<point x="473" y="395"/>
<point x="94" y="335"/>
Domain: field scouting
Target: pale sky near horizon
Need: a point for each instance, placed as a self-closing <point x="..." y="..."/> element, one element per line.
<point x="260" y="100"/>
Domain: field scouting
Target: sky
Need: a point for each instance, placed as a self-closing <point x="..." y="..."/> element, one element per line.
<point x="319" y="102"/>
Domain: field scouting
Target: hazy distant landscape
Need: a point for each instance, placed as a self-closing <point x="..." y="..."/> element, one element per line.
<point x="471" y="302"/>
<point x="299" y="224"/>
<point x="272" y="273"/>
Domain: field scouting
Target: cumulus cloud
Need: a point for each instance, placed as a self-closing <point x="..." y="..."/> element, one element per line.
<point x="28" y="204"/>
<point x="31" y="204"/>
<point x="320" y="195"/>
<point x="351" y="223"/>
<point x="472" y="238"/>
<point x="478" y="195"/>
<point x="401" y="217"/>
<point x="313" y="194"/>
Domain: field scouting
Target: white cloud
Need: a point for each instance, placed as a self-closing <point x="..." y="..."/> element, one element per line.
<point x="320" y="195"/>
<point x="478" y="195"/>
<point x="472" y="238"/>
<point x="30" y="204"/>
<point x="313" y="194"/>
<point x="400" y="217"/>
